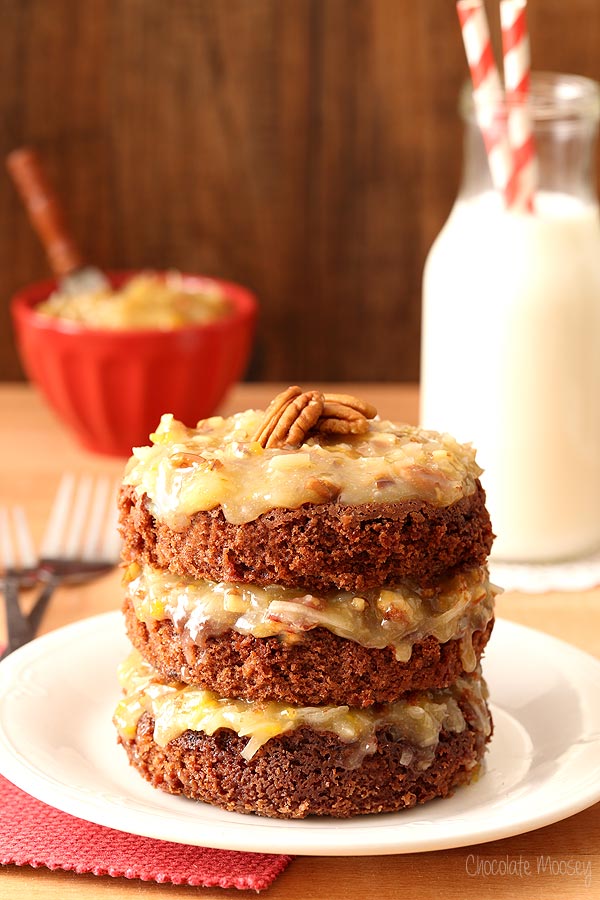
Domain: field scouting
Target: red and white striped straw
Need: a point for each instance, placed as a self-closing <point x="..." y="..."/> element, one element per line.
<point x="488" y="95"/>
<point x="517" y="66"/>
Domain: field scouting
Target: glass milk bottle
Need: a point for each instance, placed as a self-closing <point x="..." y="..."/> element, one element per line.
<point x="511" y="331"/>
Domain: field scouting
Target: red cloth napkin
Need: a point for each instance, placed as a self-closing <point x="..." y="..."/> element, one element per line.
<point x="33" y="834"/>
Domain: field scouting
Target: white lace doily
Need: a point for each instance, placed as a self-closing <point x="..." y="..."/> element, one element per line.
<point x="537" y="578"/>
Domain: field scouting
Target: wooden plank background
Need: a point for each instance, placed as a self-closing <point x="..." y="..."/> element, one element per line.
<point x="308" y="148"/>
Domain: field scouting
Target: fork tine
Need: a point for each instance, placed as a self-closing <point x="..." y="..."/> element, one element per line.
<point x="16" y="553"/>
<point x="7" y="549"/>
<point x="24" y="542"/>
<point x="111" y="543"/>
<point x="91" y="545"/>
<point x="81" y="505"/>
<point x="59" y="514"/>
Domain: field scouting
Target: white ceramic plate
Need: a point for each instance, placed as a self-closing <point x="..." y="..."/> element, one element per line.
<point x="57" y="743"/>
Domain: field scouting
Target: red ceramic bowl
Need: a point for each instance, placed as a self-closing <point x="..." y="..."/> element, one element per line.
<point x="111" y="387"/>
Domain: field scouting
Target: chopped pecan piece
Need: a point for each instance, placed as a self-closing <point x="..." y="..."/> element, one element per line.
<point x="323" y="488"/>
<point x="183" y="460"/>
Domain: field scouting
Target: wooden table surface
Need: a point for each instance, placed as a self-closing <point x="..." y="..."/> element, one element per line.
<point x="561" y="860"/>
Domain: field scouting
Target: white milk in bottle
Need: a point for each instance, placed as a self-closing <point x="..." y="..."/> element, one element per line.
<point x="511" y="333"/>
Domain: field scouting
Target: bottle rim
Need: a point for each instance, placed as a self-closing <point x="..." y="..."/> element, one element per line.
<point x="552" y="96"/>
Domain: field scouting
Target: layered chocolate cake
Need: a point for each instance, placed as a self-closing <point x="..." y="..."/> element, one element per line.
<point x="307" y="597"/>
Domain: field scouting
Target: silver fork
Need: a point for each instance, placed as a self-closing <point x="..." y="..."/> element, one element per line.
<point x="19" y="564"/>
<point x="81" y="540"/>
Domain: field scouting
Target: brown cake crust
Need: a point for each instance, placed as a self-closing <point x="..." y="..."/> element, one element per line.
<point x="322" y="668"/>
<point x="321" y="547"/>
<point x="303" y="772"/>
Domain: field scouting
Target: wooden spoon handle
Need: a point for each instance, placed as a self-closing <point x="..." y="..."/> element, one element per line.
<point x="45" y="211"/>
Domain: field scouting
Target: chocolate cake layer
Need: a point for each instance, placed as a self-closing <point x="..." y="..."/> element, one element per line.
<point x="320" y="668"/>
<point x="323" y="546"/>
<point x="304" y="772"/>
